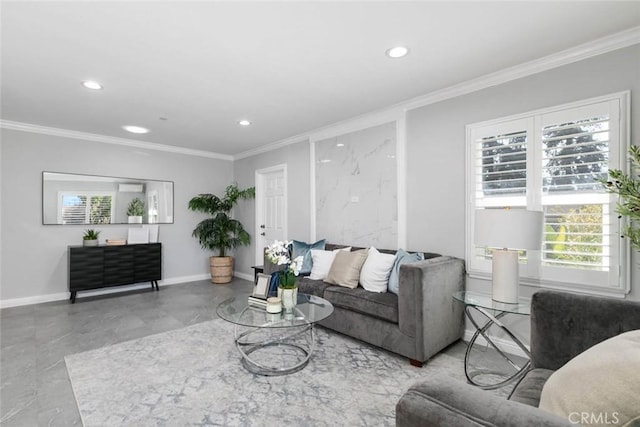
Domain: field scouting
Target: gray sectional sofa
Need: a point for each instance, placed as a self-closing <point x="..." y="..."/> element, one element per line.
<point x="563" y="325"/>
<point x="417" y="323"/>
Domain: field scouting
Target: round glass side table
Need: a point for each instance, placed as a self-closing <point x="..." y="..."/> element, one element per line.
<point x="492" y="311"/>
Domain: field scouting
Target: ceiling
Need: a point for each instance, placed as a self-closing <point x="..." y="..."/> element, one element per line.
<point x="189" y="71"/>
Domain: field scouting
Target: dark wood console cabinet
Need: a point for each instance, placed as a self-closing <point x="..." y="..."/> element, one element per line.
<point x="93" y="267"/>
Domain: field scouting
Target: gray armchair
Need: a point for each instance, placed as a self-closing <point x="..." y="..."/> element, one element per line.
<point x="563" y="325"/>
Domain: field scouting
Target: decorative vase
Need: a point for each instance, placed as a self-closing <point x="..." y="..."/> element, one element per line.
<point x="135" y="220"/>
<point x="289" y="297"/>
<point x="90" y="242"/>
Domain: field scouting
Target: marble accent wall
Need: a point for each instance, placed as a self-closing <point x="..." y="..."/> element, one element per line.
<point x="356" y="188"/>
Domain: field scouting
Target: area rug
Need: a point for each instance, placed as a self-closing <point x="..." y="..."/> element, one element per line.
<point x="193" y="376"/>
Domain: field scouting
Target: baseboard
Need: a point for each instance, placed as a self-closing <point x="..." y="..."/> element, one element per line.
<point x="63" y="296"/>
<point x="505" y="344"/>
<point x="245" y="276"/>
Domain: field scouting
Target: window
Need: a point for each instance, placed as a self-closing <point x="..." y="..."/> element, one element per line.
<point x="551" y="161"/>
<point x="85" y="208"/>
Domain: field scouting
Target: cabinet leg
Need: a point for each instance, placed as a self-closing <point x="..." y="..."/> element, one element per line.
<point x="73" y="297"/>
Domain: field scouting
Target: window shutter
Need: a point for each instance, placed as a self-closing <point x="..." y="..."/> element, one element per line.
<point x="74" y="209"/>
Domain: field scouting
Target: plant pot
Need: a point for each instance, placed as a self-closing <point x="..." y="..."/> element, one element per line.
<point x="289" y="297"/>
<point x="135" y="220"/>
<point x="90" y="242"/>
<point x="221" y="269"/>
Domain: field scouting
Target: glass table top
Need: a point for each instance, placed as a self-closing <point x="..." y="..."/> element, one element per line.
<point x="309" y="309"/>
<point x="477" y="299"/>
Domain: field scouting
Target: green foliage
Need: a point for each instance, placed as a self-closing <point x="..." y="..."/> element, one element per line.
<point x="221" y="232"/>
<point x="135" y="208"/>
<point x="578" y="236"/>
<point x="628" y="188"/>
<point x="90" y="234"/>
<point x="100" y="210"/>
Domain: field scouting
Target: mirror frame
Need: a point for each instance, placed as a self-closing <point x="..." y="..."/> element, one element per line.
<point x="117" y="179"/>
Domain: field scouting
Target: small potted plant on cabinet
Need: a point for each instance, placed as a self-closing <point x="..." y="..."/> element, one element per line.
<point x="220" y="232"/>
<point x="90" y="237"/>
<point x="135" y="210"/>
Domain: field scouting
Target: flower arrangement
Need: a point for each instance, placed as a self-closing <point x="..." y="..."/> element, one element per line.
<point x="279" y="253"/>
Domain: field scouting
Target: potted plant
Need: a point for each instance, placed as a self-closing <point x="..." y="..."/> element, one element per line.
<point x="279" y="253"/>
<point x="220" y="232"/>
<point x="135" y="210"/>
<point x="628" y="188"/>
<point x="90" y="237"/>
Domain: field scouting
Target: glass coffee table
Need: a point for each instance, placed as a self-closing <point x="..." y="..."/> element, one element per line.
<point x="492" y="311"/>
<point x="275" y="343"/>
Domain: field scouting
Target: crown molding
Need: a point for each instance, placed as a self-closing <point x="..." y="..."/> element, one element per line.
<point x="65" y="133"/>
<point x="597" y="47"/>
<point x="565" y="57"/>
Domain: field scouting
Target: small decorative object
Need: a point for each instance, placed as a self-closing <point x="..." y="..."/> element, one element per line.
<point x="90" y="238"/>
<point x="138" y="235"/>
<point x="116" y="242"/>
<point x="274" y="305"/>
<point x="153" y="232"/>
<point x="221" y="232"/>
<point x="135" y="210"/>
<point x="279" y="253"/>
<point x="261" y="288"/>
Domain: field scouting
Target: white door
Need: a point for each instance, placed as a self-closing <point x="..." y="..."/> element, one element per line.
<point x="271" y="208"/>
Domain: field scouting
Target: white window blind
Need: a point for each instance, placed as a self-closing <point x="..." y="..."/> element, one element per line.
<point x="85" y="208"/>
<point x="552" y="161"/>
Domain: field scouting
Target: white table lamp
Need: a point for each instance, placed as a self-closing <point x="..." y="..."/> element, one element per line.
<point x="510" y="229"/>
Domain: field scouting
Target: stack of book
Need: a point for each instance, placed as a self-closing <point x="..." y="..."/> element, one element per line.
<point x="257" y="302"/>
<point x="116" y="242"/>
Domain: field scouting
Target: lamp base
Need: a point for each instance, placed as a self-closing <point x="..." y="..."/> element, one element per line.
<point x="505" y="276"/>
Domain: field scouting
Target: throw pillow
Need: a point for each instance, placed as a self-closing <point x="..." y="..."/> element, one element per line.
<point x="402" y="257"/>
<point x="303" y="249"/>
<point x="374" y="276"/>
<point x="322" y="261"/>
<point x="602" y="382"/>
<point x="345" y="269"/>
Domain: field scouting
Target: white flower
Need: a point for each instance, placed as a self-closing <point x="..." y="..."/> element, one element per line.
<point x="296" y="265"/>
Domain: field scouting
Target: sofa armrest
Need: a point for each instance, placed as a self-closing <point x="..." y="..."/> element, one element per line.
<point x="563" y="325"/>
<point x="426" y="308"/>
<point x="443" y="401"/>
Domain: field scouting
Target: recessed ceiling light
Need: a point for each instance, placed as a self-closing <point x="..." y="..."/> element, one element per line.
<point x="325" y="161"/>
<point x="135" y="129"/>
<point x="339" y="144"/>
<point x="90" y="84"/>
<point x="397" y="52"/>
<point x="244" y="122"/>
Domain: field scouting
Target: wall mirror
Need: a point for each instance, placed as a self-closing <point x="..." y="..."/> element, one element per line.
<point x="69" y="198"/>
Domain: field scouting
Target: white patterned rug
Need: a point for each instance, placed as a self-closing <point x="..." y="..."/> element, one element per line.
<point x="193" y="376"/>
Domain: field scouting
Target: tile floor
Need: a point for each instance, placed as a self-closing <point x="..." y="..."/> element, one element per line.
<point x="34" y="386"/>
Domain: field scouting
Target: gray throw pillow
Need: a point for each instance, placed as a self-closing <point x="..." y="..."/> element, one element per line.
<point x="303" y="249"/>
<point x="345" y="269"/>
<point x="402" y="257"/>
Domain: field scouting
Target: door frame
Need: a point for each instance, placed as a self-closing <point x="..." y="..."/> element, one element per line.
<point x="259" y="180"/>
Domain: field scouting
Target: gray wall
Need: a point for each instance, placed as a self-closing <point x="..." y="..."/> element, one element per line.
<point x="34" y="256"/>
<point x="435" y="148"/>
<point x="296" y="157"/>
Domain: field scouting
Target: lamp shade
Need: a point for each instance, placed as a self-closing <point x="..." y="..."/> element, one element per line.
<point x="508" y="228"/>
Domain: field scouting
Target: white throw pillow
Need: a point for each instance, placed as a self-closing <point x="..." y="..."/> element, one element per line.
<point x="602" y="382"/>
<point x="374" y="276"/>
<point x="322" y="261"/>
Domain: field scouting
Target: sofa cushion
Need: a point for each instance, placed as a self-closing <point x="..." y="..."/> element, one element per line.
<point x="322" y="261"/>
<point x="374" y="276"/>
<point x="402" y="257"/>
<point x="303" y="249"/>
<point x="528" y="389"/>
<point x="601" y="380"/>
<point x="381" y="305"/>
<point x="312" y="287"/>
<point x="345" y="270"/>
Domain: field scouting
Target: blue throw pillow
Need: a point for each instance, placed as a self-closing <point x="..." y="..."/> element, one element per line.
<point x="402" y="257"/>
<point x="303" y="249"/>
